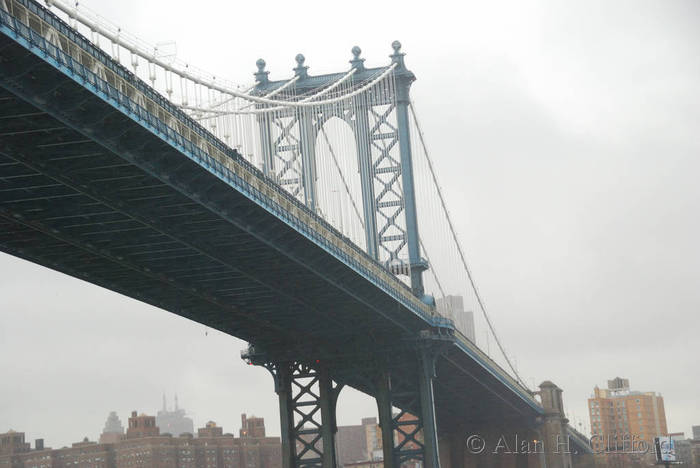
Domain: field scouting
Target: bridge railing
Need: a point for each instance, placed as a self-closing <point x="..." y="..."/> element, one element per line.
<point x="90" y="66"/>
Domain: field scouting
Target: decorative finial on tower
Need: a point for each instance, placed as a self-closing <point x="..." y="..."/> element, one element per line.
<point x="261" y="74"/>
<point x="301" y="69"/>
<point x="397" y="56"/>
<point x="357" y="62"/>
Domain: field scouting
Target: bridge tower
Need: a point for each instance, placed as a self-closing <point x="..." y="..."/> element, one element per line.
<point x="306" y="382"/>
<point x="379" y="120"/>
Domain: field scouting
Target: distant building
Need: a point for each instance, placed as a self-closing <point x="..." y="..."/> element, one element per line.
<point x="360" y="443"/>
<point x="252" y="426"/>
<point x="684" y="450"/>
<point x="113" y="430"/>
<point x="210" y="429"/>
<point x="366" y="464"/>
<point x="695" y="451"/>
<point x="618" y="384"/>
<point x="174" y="422"/>
<point x="145" y="448"/>
<point x="618" y="414"/>
<point x="13" y="442"/>
<point x="453" y="307"/>
<point x="141" y="426"/>
<point x="696" y="432"/>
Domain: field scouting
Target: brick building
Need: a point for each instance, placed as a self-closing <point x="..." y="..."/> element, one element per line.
<point x="252" y="426"/>
<point x="141" y="426"/>
<point x="210" y="429"/>
<point x="144" y="447"/>
<point x="622" y="416"/>
<point x="359" y="443"/>
<point x="12" y="444"/>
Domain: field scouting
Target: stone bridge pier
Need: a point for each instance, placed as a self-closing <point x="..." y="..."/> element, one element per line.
<point x="538" y="443"/>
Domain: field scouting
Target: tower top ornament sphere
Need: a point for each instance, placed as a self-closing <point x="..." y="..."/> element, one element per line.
<point x="396" y="45"/>
<point x="357" y="62"/>
<point x="301" y="69"/>
<point x="261" y="74"/>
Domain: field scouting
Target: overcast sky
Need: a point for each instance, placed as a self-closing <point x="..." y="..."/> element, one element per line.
<point x="566" y="137"/>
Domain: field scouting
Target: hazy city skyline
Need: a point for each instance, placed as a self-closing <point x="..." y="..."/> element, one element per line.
<point x="566" y="140"/>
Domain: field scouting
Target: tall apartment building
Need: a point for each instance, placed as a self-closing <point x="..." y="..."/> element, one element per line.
<point x="619" y="415"/>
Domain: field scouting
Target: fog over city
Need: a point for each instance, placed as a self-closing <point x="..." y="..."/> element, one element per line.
<point x="565" y="136"/>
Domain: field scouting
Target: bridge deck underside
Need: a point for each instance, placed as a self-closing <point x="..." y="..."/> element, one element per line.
<point x="87" y="191"/>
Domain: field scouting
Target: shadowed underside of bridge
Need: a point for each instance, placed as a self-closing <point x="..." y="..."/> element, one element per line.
<point x="89" y="191"/>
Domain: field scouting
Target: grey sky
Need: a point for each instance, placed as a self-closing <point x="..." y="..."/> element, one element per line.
<point x="566" y="138"/>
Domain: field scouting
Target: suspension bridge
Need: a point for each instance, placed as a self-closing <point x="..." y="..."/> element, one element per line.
<point x="302" y="215"/>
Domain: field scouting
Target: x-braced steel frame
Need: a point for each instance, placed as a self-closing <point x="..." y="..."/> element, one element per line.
<point x="379" y="121"/>
<point x="307" y="400"/>
<point x="411" y="433"/>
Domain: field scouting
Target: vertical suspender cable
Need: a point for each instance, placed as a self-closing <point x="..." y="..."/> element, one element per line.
<point x="459" y="247"/>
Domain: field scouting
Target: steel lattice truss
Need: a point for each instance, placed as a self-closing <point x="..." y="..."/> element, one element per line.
<point x="286" y="155"/>
<point x="306" y="410"/>
<point x="372" y="119"/>
<point x="386" y="165"/>
<point x="408" y="428"/>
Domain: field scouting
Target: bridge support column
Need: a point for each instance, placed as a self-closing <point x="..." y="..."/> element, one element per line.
<point x="386" y="419"/>
<point x="307" y="400"/>
<point x="410" y="434"/>
<point x="427" y="404"/>
<point x="402" y="432"/>
<point x="328" y="397"/>
<point x="283" y="388"/>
